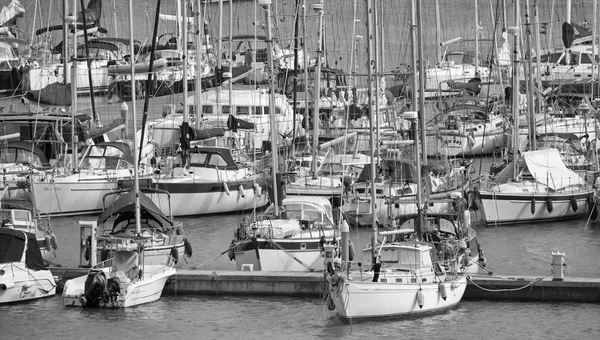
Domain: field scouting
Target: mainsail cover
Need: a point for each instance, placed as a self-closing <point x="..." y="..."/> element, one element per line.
<point x="548" y="168"/>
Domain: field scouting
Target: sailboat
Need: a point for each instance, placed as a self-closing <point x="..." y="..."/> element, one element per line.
<point x="536" y="186"/>
<point x="291" y="234"/>
<point x="126" y="279"/>
<point x="402" y="277"/>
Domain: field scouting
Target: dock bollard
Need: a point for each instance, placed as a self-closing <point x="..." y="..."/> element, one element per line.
<point x="558" y="266"/>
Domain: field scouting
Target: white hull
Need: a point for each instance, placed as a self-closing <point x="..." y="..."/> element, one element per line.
<point x="276" y="260"/>
<point x="358" y="299"/>
<point x="201" y="203"/>
<point x="19" y="283"/>
<point x="147" y="290"/>
<point x="509" y="208"/>
<point x="447" y="143"/>
<point x="72" y="197"/>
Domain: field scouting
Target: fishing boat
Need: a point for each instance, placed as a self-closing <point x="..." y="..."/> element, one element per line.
<point x="292" y="241"/>
<point x="23" y="275"/>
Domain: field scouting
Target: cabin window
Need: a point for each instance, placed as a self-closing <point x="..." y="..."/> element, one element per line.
<point x="242" y="110"/>
<point x="226" y="109"/>
<point x="198" y="159"/>
<point x="268" y="111"/>
<point x="587" y="59"/>
<point x="207" y="109"/>
<point x="216" y="161"/>
<point x="258" y="110"/>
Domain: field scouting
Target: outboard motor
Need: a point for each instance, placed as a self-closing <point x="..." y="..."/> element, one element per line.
<point x="95" y="288"/>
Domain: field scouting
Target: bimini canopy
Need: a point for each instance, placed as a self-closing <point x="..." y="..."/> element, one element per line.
<point x="547" y="167"/>
<point x="12" y="245"/>
<point x="124" y="207"/>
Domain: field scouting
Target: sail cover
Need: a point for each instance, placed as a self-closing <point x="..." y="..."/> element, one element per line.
<point x="548" y="168"/>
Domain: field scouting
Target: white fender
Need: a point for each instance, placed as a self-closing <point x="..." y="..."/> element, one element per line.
<point x="241" y="191"/>
<point x="226" y="188"/>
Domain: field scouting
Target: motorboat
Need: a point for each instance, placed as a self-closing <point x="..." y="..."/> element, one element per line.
<point x="23" y="275"/>
<point x="137" y="270"/>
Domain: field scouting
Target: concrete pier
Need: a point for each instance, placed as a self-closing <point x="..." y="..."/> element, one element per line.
<point x="310" y="284"/>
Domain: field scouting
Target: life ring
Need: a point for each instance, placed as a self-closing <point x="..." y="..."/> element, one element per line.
<point x="54" y="241"/>
<point x="174" y="255"/>
<point x="187" y="246"/>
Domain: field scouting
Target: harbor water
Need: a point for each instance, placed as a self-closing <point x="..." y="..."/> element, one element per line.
<point x="514" y="251"/>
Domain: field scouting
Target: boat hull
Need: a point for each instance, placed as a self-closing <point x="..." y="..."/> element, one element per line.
<point x="510" y="208"/>
<point x="147" y="290"/>
<point x="363" y="299"/>
<point x="19" y="283"/>
<point x="193" y="198"/>
<point x="286" y="255"/>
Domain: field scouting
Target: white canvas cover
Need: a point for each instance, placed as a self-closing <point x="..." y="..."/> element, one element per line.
<point x="547" y="167"/>
<point x="277" y="228"/>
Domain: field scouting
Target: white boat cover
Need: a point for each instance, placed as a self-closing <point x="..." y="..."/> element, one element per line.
<point x="547" y="168"/>
<point x="278" y="228"/>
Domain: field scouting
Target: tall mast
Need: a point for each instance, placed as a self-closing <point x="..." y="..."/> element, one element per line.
<point x="377" y="69"/>
<point x="421" y="82"/>
<point x="184" y="27"/>
<point x="316" y="93"/>
<point x="515" y="89"/>
<point x="266" y="4"/>
<point x="438" y="32"/>
<point x="538" y="48"/>
<point x="370" y="71"/>
<point x="413" y="42"/>
<point x="476" y="38"/>
<point x="530" y="87"/>
<point x="136" y="185"/>
<point x="74" y="87"/>
<point x="198" y="87"/>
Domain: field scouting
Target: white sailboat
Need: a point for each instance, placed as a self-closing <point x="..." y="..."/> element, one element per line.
<point x="126" y="279"/>
<point x="403" y="277"/>
<point x="538" y="187"/>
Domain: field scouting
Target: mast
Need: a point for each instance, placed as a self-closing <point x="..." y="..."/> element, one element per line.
<point x="538" y="48"/>
<point x="370" y="71"/>
<point x="266" y="5"/>
<point x="295" y="80"/>
<point x="438" y="31"/>
<point x="150" y="76"/>
<point x="530" y="82"/>
<point x="595" y="46"/>
<point x="199" y="35"/>
<point x="377" y="69"/>
<point x="515" y="90"/>
<point x="74" y="86"/>
<point x="89" y="66"/>
<point x="316" y="93"/>
<point x="136" y="184"/>
<point x="476" y="38"/>
<point x="184" y="27"/>
<point x="421" y="82"/>
<point x="413" y="42"/>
